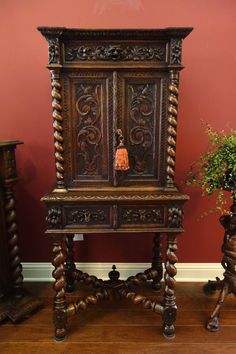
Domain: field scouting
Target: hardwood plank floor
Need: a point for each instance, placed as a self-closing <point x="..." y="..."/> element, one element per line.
<point x="119" y="327"/>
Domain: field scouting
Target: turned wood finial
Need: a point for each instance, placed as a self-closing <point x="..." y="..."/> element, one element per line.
<point x="114" y="274"/>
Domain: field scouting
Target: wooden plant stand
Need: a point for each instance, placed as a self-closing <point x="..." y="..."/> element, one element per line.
<point x="228" y="284"/>
<point x="15" y="302"/>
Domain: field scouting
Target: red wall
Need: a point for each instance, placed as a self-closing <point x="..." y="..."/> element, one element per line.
<point x="207" y="92"/>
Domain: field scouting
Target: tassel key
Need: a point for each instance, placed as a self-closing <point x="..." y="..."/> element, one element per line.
<point x="121" y="155"/>
<point x="121" y="159"/>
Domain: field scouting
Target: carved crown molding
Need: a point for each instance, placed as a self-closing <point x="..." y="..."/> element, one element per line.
<point x="113" y="34"/>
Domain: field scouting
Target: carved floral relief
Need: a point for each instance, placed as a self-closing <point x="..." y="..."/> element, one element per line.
<point x="115" y="53"/>
<point x="54" y="218"/>
<point x="53" y="51"/>
<point x="176" y="51"/>
<point x="175" y="216"/>
<point x="146" y="216"/>
<point x="86" y="216"/>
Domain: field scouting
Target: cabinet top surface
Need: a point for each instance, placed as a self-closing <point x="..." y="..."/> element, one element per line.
<point x="151" y="34"/>
<point x="4" y="143"/>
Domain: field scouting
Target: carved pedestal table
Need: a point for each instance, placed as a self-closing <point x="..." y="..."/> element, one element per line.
<point x="111" y="90"/>
<point x="15" y="302"/>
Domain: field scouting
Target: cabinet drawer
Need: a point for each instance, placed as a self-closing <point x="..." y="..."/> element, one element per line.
<point x="142" y="216"/>
<point x="87" y="216"/>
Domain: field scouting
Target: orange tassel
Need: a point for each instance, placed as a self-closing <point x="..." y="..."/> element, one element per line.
<point x="121" y="159"/>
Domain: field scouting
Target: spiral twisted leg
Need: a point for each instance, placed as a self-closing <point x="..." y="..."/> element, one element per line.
<point x="59" y="298"/>
<point x="170" y="308"/>
<point x="157" y="261"/>
<point x="15" y="263"/>
<point x="172" y="126"/>
<point x="213" y="322"/>
<point x="58" y="130"/>
<point x="70" y="264"/>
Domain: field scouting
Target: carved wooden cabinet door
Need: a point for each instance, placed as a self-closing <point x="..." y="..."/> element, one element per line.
<point x="101" y="103"/>
<point x="141" y="117"/>
<point x="88" y="125"/>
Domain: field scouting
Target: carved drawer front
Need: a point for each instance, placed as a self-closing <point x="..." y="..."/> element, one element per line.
<point x="87" y="216"/>
<point x="141" y="215"/>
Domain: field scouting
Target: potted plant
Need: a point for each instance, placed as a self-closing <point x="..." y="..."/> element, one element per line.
<point x="215" y="170"/>
<point x="215" y="173"/>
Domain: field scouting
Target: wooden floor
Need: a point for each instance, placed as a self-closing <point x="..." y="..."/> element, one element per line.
<point x="120" y="327"/>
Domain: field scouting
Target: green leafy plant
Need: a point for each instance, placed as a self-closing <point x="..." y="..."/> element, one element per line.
<point x="215" y="170"/>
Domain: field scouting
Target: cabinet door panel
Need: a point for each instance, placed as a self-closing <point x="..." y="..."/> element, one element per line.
<point x="90" y="128"/>
<point x="142" y="120"/>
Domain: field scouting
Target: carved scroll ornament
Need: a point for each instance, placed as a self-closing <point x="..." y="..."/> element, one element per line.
<point x="89" y="134"/>
<point x="141" y="126"/>
<point x="114" y="53"/>
<point x="142" y="216"/>
<point x="86" y="216"/>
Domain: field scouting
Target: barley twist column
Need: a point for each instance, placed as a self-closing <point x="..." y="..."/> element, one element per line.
<point x="59" y="298"/>
<point x="12" y="231"/>
<point x="157" y="261"/>
<point x="58" y="130"/>
<point x="170" y="308"/>
<point x="172" y="126"/>
<point x="70" y="269"/>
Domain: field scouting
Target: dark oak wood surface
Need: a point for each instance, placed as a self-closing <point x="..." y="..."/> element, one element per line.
<point x="124" y="328"/>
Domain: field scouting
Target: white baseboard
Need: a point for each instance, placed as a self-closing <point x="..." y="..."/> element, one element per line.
<point x="187" y="272"/>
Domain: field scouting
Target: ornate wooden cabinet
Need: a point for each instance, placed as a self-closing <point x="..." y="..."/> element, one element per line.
<point x="113" y="88"/>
